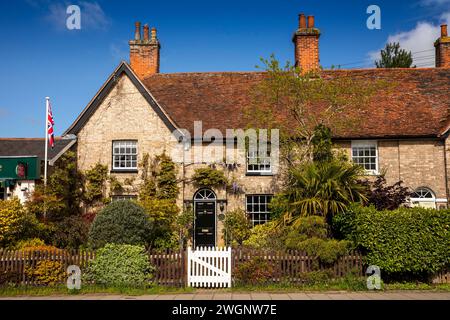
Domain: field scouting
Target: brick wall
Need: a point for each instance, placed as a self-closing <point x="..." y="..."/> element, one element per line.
<point x="418" y="163"/>
<point x="125" y="114"/>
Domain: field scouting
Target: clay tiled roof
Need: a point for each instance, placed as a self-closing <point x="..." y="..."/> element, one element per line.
<point x="418" y="107"/>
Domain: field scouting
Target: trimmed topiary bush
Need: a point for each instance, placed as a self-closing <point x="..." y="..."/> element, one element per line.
<point x="413" y="241"/>
<point x="120" y="265"/>
<point x="121" y="222"/>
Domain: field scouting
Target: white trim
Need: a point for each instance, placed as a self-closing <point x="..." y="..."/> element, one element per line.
<point x="258" y="159"/>
<point x="367" y="144"/>
<point x="63" y="150"/>
<point x="134" y="144"/>
<point x="215" y="212"/>
<point x="440" y="200"/>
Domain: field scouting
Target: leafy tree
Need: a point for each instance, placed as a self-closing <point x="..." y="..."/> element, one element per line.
<point x="392" y="56"/>
<point x="236" y="227"/>
<point x="11" y="212"/>
<point x="121" y="222"/>
<point x="297" y="103"/>
<point x="157" y="195"/>
<point x="320" y="188"/>
<point x="162" y="213"/>
<point x="62" y="195"/>
<point x="386" y="197"/>
<point x="322" y="144"/>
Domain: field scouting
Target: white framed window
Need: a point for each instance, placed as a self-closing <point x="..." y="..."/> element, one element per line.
<point x="423" y="197"/>
<point x="124" y="155"/>
<point x="257" y="163"/>
<point x="365" y="153"/>
<point x="257" y="207"/>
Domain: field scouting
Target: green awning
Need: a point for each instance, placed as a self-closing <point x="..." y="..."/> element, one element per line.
<point x="19" y="168"/>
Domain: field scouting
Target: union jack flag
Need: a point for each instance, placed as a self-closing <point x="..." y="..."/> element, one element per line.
<point x="50" y="123"/>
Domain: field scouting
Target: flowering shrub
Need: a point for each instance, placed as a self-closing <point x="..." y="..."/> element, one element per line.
<point x="253" y="272"/>
<point x="34" y="242"/>
<point x="11" y="213"/>
<point x="46" y="272"/>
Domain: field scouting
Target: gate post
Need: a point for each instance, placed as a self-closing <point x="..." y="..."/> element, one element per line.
<point x="188" y="261"/>
<point x="229" y="266"/>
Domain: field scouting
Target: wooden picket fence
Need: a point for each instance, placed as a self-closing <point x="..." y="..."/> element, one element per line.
<point x="171" y="265"/>
<point x="289" y="265"/>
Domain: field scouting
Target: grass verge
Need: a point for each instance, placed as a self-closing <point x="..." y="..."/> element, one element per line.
<point x="11" y="291"/>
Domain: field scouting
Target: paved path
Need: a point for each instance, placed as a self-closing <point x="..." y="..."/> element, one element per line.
<point x="205" y="295"/>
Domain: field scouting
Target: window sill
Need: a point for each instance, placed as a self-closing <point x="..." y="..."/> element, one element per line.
<point x="124" y="171"/>
<point x="256" y="174"/>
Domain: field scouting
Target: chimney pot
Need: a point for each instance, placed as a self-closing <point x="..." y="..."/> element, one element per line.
<point x="444" y="32"/>
<point x="301" y="21"/>
<point x="153" y="34"/>
<point x="137" y="32"/>
<point x="146" y="34"/>
<point x="310" y="21"/>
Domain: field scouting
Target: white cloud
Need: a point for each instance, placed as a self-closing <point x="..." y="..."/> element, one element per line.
<point x="420" y="41"/>
<point x="92" y="15"/>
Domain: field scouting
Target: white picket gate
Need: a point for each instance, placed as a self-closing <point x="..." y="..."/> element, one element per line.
<point x="209" y="267"/>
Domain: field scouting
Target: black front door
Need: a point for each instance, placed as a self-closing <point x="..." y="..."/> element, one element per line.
<point x="205" y="223"/>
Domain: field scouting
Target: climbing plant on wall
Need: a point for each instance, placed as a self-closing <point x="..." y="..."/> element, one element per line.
<point x="209" y="177"/>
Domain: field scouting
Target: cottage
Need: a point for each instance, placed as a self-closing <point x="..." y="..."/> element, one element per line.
<point x="139" y="110"/>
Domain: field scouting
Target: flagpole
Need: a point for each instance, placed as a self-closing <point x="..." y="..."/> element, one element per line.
<point x="47" y="99"/>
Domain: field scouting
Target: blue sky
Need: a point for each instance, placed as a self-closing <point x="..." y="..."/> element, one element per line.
<point x="40" y="57"/>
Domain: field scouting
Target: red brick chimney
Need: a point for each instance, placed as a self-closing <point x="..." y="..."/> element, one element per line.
<point x="442" y="46"/>
<point x="306" y="41"/>
<point x="144" y="52"/>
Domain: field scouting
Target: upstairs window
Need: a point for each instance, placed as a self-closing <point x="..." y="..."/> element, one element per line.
<point x="124" y="155"/>
<point x="257" y="163"/>
<point x="365" y="153"/>
<point x="258" y="208"/>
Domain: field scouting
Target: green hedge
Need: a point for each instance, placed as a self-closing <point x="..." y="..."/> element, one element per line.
<point x="407" y="240"/>
<point x="120" y="265"/>
<point x="121" y="222"/>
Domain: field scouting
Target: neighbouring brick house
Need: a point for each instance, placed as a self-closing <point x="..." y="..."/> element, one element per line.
<point x="139" y="110"/>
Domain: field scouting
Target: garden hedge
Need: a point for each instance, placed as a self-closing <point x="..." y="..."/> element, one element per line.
<point x="406" y="240"/>
<point x="120" y="265"/>
<point x="121" y="222"/>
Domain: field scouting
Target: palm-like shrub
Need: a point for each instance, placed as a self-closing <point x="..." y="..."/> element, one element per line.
<point x="320" y="188"/>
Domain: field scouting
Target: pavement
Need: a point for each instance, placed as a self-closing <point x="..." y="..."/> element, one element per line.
<point x="217" y="295"/>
